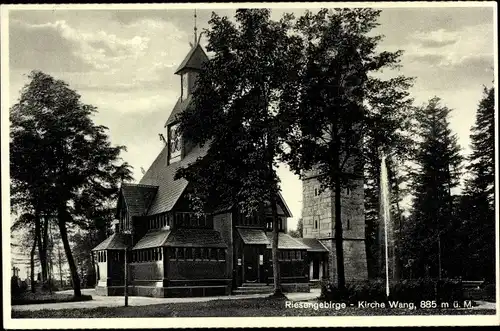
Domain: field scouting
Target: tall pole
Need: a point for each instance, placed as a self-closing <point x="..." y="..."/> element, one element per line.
<point x="126" y="278"/>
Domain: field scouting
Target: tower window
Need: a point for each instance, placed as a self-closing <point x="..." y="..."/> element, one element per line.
<point x="316" y="192"/>
<point x="316" y="220"/>
<point x="184" y="86"/>
<point x="175" y="145"/>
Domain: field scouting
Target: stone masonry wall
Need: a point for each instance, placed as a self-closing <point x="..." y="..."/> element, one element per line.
<point x="319" y="208"/>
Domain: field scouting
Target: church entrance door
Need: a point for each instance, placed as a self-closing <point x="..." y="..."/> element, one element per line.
<point x="315" y="274"/>
<point x="252" y="265"/>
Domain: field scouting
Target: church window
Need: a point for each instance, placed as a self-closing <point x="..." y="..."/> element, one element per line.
<point x="197" y="253"/>
<point x="160" y="253"/>
<point x="189" y="253"/>
<point x="222" y="255"/>
<point x="316" y="193"/>
<point x="213" y="254"/>
<point x="184" y="86"/>
<point x="204" y="254"/>
<point x="181" y="253"/>
<point x="315" y="223"/>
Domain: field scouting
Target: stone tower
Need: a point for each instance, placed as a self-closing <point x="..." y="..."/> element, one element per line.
<point x="318" y="213"/>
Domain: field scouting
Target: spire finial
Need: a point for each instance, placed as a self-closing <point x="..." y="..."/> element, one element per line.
<point x="195" y="30"/>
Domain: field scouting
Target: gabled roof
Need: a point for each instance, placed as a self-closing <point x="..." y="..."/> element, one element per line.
<point x="181" y="238"/>
<point x="138" y="197"/>
<point x="193" y="60"/>
<point x="162" y="175"/>
<point x="282" y="207"/>
<point x="115" y="241"/>
<point x="314" y="244"/>
<point x="286" y="210"/>
<point x="179" y="107"/>
<point x="285" y="241"/>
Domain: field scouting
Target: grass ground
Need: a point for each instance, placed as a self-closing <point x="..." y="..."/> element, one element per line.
<point x="46" y="297"/>
<point x="233" y="308"/>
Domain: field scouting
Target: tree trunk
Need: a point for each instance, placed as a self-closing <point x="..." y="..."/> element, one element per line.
<point x="59" y="257"/>
<point x="397" y="240"/>
<point x="62" y="217"/>
<point x="43" y="258"/>
<point x="32" y="264"/>
<point x="41" y="255"/>
<point x="339" y="247"/>
<point x="274" y="247"/>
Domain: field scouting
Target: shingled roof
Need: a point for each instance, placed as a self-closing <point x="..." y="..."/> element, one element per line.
<point x="162" y="175"/>
<point x="179" y="107"/>
<point x="253" y="236"/>
<point x="314" y="244"/>
<point x="138" y="197"/>
<point x="285" y="241"/>
<point x="115" y="241"/>
<point x="193" y="60"/>
<point x="153" y="238"/>
<point x="181" y="238"/>
<point x="195" y="238"/>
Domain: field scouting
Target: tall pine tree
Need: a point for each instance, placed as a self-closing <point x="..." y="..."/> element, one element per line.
<point x="478" y="210"/>
<point x="430" y="234"/>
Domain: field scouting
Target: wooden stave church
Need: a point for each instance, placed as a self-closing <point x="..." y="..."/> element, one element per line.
<point x="173" y="253"/>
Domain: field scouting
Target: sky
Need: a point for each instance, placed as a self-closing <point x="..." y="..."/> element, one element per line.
<point x="123" y="62"/>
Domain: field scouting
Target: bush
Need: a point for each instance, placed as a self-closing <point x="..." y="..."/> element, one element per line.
<point x="489" y="292"/>
<point x="49" y="286"/>
<point x="408" y="291"/>
<point x="24" y="286"/>
<point x="15" y="289"/>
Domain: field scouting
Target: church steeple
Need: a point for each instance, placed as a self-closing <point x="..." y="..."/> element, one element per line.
<point x="188" y="72"/>
<point x="191" y="65"/>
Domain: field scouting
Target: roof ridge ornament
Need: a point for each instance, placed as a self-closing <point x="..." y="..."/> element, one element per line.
<point x="196" y="39"/>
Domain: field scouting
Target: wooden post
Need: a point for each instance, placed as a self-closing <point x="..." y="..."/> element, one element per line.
<point x="126" y="278"/>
